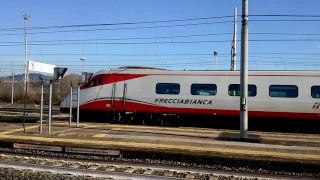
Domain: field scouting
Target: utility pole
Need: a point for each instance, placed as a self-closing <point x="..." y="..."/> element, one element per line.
<point x="234" y="42"/>
<point x="12" y="88"/>
<point x="26" y="76"/>
<point x="215" y="53"/>
<point x="244" y="72"/>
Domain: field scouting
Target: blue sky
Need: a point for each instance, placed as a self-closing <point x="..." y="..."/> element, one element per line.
<point x="263" y="55"/>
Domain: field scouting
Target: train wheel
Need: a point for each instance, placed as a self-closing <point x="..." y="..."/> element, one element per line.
<point x="116" y="118"/>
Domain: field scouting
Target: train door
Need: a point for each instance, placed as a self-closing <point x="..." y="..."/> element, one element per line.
<point x="119" y="91"/>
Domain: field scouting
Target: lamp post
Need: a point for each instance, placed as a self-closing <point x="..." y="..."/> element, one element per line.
<point x="83" y="59"/>
<point x="26" y="71"/>
<point x="215" y="53"/>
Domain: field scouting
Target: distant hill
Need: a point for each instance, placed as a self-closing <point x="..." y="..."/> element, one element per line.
<point x="20" y="77"/>
<point x="33" y="77"/>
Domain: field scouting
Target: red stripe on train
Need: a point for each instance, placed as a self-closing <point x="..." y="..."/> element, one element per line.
<point x="259" y="75"/>
<point x="113" y="78"/>
<point x="105" y="105"/>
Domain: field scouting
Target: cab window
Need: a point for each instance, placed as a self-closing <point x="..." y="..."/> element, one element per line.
<point x="99" y="80"/>
<point x="91" y="83"/>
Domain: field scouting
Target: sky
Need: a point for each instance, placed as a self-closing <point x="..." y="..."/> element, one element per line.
<point x="156" y="46"/>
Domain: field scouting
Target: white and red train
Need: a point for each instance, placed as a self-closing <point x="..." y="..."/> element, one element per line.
<point x="129" y="93"/>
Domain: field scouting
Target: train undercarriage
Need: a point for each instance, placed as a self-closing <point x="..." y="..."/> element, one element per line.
<point x="289" y="125"/>
<point x="129" y="118"/>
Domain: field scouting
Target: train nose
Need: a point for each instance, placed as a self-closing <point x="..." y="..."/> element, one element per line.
<point x="65" y="105"/>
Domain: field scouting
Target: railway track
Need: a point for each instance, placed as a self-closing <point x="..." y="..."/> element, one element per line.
<point x="123" y="170"/>
<point x="29" y="110"/>
<point x="263" y="125"/>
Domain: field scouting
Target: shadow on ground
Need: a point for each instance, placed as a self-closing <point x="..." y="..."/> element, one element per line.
<point x="224" y="136"/>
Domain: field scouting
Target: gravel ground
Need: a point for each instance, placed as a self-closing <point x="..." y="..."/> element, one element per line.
<point x="16" y="174"/>
<point x="244" y="167"/>
<point x="139" y="171"/>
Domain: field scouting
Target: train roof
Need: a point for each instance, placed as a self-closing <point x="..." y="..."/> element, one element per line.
<point x="151" y="70"/>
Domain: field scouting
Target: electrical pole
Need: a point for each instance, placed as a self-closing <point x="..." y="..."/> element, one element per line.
<point x="244" y="72"/>
<point x="26" y="76"/>
<point x="26" y="72"/>
<point x="12" y="88"/>
<point x="234" y="42"/>
<point x="215" y="53"/>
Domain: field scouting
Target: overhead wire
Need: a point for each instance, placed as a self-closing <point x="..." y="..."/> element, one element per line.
<point x="159" y="54"/>
<point x="124" y="28"/>
<point x="159" y="37"/>
<point x="161" y="42"/>
<point x="284" y="15"/>
<point x="160" y="21"/>
<point x="284" y="20"/>
<point x="143" y="27"/>
<point x="120" y="23"/>
<point x="129" y="38"/>
<point x="266" y="40"/>
<point x="177" y="64"/>
<point x="253" y="58"/>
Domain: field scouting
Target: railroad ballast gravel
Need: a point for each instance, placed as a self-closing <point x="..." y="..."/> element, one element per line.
<point x="11" y="173"/>
<point x="85" y="165"/>
<point x="155" y="161"/>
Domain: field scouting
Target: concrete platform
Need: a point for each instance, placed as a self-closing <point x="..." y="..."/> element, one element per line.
<point x="191" y="141"/>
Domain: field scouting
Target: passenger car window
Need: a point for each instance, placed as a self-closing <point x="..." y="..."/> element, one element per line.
<point x="315" y="91"/>
<point x="234" y="90"/>
<point x="168" y="88"/>
<point x="204" y="89"/>
<point x="287" y="91"/>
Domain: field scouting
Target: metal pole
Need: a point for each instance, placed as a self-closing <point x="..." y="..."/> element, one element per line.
<point x="50" y="110"/>
<point x="234" y="42"/>
<point x="78" y="105"/>
<point x="59" y="91"/>
<point x="25" y="104"/>
<point x="231" y="56"/>
<point x="70" y="115"/>
<point x="83" y="59"/>
<point x="41" y="107"/>
<point x="12" y="88"/>
<point x="215" y="53"/>
<point x="26" y="18"/>
<point x="244" y="72"/>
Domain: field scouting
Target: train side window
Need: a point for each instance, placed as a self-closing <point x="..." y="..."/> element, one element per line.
<point x="204" y="89"/>
<point x="168" y="88"/>
<point x="91" y="83"/>
<point x="234" y="90"/>
<point x="286" y="91"/>
<point x="315" y="91"/>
